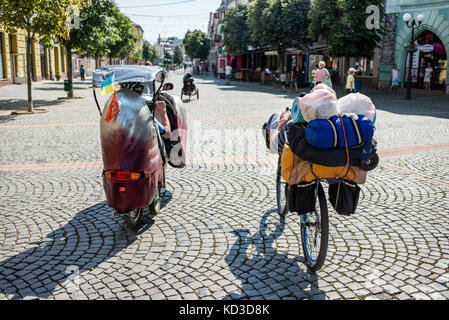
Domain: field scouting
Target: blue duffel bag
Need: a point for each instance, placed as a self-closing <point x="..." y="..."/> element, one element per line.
<point x="327" y="134"/>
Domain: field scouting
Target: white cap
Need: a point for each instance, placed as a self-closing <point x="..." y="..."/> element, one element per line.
<point x="351" y="70"/>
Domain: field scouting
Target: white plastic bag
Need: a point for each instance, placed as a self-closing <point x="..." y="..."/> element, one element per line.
<point x="320" y="104"/>
<point x="356" y="103"/>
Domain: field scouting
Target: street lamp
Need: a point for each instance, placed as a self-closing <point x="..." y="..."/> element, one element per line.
<point x="411" y="23"/>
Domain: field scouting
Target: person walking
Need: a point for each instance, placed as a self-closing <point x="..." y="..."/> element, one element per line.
<point x="322" y="72"/>
<point x="294" y="80"/>
<point x="428" y="77"/>
<point x="283" y="78"/>
<point x="228" y="73"/>
<point x="350" y="82"/>
<point x="82" y="71"/>
<point x="394" y="79"/>
<point x="313" y="83"/>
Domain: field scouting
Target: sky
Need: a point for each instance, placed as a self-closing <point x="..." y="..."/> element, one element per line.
<point x="170" y="18"/>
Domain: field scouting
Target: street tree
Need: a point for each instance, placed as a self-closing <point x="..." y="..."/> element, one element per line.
<point x="38" y="18"/>
<point x="177" y="55"/>
<point x="97" y="33"/>
<point x="126" y="36"/>
<point x="342" y="24"/>
<point x="196" y="44"/>
<point x="235" y="30"/>
<point x="149" y="52"/>
<point x="279" y="24"/>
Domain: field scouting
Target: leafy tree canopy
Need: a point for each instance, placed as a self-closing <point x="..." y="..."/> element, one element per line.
<point x="342" y="24"/>
<point x="237" y="37"/>
<point x="196" y="44"/>
<point x="149" y="52"/>
<point x="279" y="24"/>
<point x="177" y="55"/>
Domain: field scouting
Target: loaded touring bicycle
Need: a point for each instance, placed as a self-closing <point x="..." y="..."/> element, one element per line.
<point x="134" y="153"/>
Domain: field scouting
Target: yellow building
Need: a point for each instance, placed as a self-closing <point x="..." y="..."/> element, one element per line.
<point x="46" y="63"/>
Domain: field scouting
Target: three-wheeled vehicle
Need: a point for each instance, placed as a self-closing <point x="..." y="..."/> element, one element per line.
<point x="189" y="87"/>
<point x="134" y="153"/>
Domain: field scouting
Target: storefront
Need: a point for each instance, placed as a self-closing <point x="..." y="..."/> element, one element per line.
<point x="430" y="53"/>
<point x="431" y="38"/>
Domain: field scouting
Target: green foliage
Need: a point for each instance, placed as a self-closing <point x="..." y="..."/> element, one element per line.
<point x="44" y="18"/>
<point x="38" y="17"/>
<point x="177" y="56"/>
<point x="235" y="30"/>
<point x="128" y="42"/>
<point x="97" y="33"/>
<point x="279" y="24"/>
<point x="196" y="44"/>
<point x="149" y="52"/>
<point x="342" y="24"/>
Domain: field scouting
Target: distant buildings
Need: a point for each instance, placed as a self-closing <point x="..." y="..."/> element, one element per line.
<point x="167" y="45"/>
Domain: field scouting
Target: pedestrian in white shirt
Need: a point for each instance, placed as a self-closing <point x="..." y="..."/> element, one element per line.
<point x="228" y="73"/>
<point x="428" y="77"/>
<point x="394" y="79"/>
<point x="283" y="79"/>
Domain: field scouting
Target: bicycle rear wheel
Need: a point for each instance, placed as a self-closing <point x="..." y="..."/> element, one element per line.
<point x="315" y="234"/>
<point x="281" y="192"/>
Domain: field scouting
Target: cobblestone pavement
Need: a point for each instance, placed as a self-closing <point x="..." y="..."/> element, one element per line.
<point x="218" y="236"/>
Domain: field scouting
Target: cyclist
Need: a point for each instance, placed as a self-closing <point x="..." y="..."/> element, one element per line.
<point x="188" y="79"/>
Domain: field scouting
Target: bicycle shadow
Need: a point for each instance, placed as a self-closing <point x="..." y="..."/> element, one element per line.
<point x="269" y="272"/>
<point x="90" y="238"/>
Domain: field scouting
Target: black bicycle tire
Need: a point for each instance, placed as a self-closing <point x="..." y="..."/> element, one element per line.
<point x="324" y="215"/>
<point x="283" y="212"/>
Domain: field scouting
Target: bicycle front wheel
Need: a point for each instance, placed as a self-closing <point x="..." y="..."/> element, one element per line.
<point x="315" y="234"/>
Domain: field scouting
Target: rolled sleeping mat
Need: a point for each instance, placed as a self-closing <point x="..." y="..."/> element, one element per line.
<point x="327" y="134"/>
<point x="296" y="111"/>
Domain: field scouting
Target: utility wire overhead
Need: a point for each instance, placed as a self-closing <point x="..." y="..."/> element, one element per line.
<point x="155" y="16"/>
<point x="157" y="5"/>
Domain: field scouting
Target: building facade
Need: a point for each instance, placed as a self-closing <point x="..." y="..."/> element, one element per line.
<point x="431" y="39"/>
<point x="47" y="63"/>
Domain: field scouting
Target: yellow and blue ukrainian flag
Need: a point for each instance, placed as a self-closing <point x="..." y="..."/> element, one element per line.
<point x="107" y="86"/>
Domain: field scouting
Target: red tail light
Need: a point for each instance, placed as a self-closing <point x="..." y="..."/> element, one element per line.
<point x="123" y="175"/>
<point x="188" y="83"/>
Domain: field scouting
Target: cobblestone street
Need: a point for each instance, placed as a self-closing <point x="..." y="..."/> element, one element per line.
<point x="219" y="235"/>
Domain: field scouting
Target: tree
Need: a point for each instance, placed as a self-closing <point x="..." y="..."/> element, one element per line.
<point x="97" y="33"/>
<point x="236" y="39"/>
<point x="177" y="56"/>
<point x="196" y="44"/>
<point x="279" y="24"/>
<point x="149" y="52"/>
<point x="45" y="19"/>
<point x="342" y="24"/>
<point x="125" y="35"/>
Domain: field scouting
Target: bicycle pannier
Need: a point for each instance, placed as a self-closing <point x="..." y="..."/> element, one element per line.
<point x="344" y="197"/>
<point x="302" y="197"/>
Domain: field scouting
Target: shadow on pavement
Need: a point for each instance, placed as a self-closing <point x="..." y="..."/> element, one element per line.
<point x="91" y="237"/>
<point x="268" y="272"/>
<point x="20" y="104"/>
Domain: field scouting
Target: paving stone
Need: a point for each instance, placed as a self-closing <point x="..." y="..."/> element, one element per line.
<point x="216" y="237"/>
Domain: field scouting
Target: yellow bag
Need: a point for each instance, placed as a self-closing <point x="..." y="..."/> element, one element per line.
<point x="323" y="172"/>
<point x="287" y="160"/>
